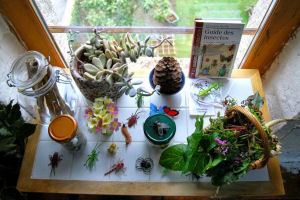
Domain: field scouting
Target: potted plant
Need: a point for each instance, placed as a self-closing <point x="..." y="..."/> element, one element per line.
<point x="229" y="147"/>
<point x="99" y="66"/>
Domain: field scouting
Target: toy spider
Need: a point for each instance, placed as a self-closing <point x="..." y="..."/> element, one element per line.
<point x="144" y="164"/>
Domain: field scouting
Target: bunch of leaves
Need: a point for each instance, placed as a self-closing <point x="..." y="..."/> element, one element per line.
<point x="14" y="132"/>
<point x="103" y="12"/>
<point x="224" y="152"/>
<point x="158" y="8"/>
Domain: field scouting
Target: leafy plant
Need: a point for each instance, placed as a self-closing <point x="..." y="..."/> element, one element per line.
<point x="158" y="8"/>
<point x="14" y="132"/>
<point x="227" y="148"/>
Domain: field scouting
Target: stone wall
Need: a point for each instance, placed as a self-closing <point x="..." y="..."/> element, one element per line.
<point x="10" y="48"/>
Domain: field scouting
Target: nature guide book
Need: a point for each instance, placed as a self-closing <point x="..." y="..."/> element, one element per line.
<point x="214" y="48"/>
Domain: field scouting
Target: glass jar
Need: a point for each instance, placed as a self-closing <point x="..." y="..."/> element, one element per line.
<point x="34" y="77"/>
<point x="63" y="129"/>
<point x="159" y="130"/>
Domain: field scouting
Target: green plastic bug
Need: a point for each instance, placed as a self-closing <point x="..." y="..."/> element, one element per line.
<point x="93" y="157"/>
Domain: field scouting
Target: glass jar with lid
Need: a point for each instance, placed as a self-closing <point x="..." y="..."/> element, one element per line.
<point x="63" y="129"/>
<point x="45" y="91"/>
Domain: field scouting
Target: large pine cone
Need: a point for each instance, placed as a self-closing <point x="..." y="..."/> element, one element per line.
<point x="168" y="74"/>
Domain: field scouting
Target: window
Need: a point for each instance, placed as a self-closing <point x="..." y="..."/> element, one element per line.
<point x="166" y="18"/>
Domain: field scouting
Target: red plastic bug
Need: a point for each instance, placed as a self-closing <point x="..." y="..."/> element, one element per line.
<point x="117" y="167"/>
<point x="54" y="160"/>
<point x="132" y="120"/>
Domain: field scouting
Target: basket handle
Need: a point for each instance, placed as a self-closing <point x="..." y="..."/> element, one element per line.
<point x="263" y="161"/>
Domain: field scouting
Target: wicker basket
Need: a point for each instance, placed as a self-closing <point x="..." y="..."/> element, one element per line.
<point x="91" y="89"/>
<point x="230" y="113"/>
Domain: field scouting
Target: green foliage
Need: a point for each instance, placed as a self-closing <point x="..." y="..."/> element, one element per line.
<point x="14" y="132"/>
<point x="158" y="8"/>
<point x="103" y="12"/>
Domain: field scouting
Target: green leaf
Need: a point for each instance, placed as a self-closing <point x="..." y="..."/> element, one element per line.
<point x="193" y="140"/>
<point x="5" y="132"/>
<point x="28" y="129"/>
<point x="217" y="160"/>
<point x="258" y="101"/>
<point x="198" y="163"/>
<point x="6" y="144"/>
<point x="199" y="123"/>
<point x="14" y="113"/>
<point x="173" y="157"/>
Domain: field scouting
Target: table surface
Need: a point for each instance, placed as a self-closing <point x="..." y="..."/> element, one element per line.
<point x="35" y="179"/>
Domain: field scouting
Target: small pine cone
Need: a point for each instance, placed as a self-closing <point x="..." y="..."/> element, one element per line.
<point x="168" y="74"/>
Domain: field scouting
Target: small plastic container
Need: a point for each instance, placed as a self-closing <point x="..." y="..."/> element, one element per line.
<point x="157" y="139"/>
<point x="63" y="129"/>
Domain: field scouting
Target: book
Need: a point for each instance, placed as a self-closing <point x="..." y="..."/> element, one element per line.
<point x="214" y="48"/>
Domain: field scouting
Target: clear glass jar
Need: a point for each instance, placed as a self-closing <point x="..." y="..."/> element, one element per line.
<point x="63" y="129"/>
<point x="45" y="91"/>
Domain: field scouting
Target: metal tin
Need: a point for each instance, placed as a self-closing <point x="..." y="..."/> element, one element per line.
<point x="151" y="133"/>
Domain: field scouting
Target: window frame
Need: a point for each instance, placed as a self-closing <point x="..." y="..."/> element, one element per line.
<point x="282" y="21"/>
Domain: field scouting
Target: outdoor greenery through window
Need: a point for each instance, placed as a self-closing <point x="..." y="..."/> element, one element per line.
<point x="149" y="13"/>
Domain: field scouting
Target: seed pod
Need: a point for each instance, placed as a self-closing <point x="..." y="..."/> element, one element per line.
<point x="116" y="60"/>
<point x="114" y="55"/>
<point x="92" y="69"/>
<point x="88" y="76"/>
<point x="102" y="57"/>
<point x="99" y="75"/>
<point x="109" y="79"/>
<point x="132" y="55"/>
<point x="97" y="62"/>
<point x="116" y="65"/>
<point x="148" y="52"/>
<point x="108" y="53"/>
<point x="98" y="52"/>
<point x="108" y="64"/>
<point x="105" y="44"/>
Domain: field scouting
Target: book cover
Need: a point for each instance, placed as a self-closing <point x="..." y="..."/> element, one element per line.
<point x="215" y="45"/>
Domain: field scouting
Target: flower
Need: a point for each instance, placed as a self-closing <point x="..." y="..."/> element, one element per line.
<point x="92" y="122"/>
<point x="220" y="141"/>
<point x="114" y="125"/>
<point x="107" y="100"/>
<point x="98" y="105"/>
<point x="99" y="126"/>
<point x="112" y="109"/>
<point x="225" y="152"/>
<point x="88" y="113"/>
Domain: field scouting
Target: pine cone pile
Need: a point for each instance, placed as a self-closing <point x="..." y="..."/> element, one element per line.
<point x="167" y="74"/>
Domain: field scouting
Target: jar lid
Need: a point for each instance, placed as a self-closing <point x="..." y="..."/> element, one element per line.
<point x="62" y="128"/>
<point x="28" y="69"/>
<point x="150" y="129"/>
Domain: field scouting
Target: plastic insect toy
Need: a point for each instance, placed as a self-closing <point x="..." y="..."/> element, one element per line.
<point x="154" y="110"/>
<point x="144" y="164"/>
<point x="126" y="134"/>
<point x="160" y="128"/>
<point x="116" y="168"/>
<point x="224" y="58"/>
<point x="170" y="112"/>
<point x="93" y="157"/>
<point x="55" y="158"/>
<point x="112" y="148"/>
<point x="132" y="120"/>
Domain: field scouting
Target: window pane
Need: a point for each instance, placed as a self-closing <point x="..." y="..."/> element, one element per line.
<point x="150" y="13"/>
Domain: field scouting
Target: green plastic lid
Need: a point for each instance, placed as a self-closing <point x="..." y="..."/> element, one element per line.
<point x="150" y="129"/>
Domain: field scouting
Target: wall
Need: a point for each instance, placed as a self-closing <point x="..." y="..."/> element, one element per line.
<point x="282" y="90"/>
<point x="10" y="48"/>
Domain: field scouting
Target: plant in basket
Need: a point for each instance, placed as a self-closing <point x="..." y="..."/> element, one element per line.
<point x="229" y="147"/>
<point x="99" y="66"/>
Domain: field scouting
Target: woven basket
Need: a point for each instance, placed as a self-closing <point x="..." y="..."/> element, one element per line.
<point x="89" y="88"/>
<point x="230" y="113"/>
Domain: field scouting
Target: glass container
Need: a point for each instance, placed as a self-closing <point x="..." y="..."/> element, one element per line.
<point x="159" y="130"/>
<point x="45" y="91"/>
<point x="63" y="129"/>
